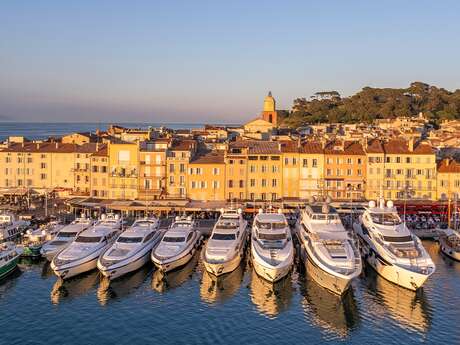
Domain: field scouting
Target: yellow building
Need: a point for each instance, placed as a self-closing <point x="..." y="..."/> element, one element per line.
<point x="375" y="169"/>
<point x="39" y="166"/>
<point x="236" y="159"/>
<point x="311" y="169"/>
<point x="123" y="170"/>
<point x="448" y="179"/>
<point x="409" y="169"/>
<point x="99" y="176"/>
<point x="152" y="180"/>
<point x="206" y="176"/>
<point x="177" y="159"/>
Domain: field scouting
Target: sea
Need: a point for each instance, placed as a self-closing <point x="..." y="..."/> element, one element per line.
<point x="188" y="306"/>
<point x="43" y="130"/>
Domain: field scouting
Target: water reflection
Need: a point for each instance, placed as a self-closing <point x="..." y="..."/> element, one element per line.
<point x="334" y="315"/>
<point x="8" y="282"/>
<point x="217" y="289"/>
<point x="162" y="282"/>
<point x="270" y="299"/>
<point x="74" y="287"/>
<point x="409" y="308"/>
<point x="118" y="288"/>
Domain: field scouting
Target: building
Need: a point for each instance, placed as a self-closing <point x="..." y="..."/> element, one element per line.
<point x="152" y="170"/>
<point x="123" y="159"/>
<point x="178" y="157"/>
<point x="99" y="175"/>
<point x="206" y="176"/>
<point x="448" y="179"/>
<point x="409" y="170"/>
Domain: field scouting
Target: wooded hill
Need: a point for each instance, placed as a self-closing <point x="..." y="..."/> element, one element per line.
<point x="375" y="103"/>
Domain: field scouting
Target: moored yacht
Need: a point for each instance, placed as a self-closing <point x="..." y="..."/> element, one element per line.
<point x="390" y="248"/>
<point x="64" y="237"/>
<point x="34" y="239"/>
<point x="178" y="245"/>
<point x="9" y="257"/>
<point x="449" y="240"/>
<point x="272" y="251"/>
<point x="132" y="248"/>
<point x="326" y="248"/>
<point x="226" y="245"/>
<point x="11" y="226"/>
<point x="82" y="254"/>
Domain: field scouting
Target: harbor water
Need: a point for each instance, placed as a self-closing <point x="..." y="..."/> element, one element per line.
<point x="187" y="306"/>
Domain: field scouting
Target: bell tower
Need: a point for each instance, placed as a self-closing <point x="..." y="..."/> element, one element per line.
<point x="269" y="111"/>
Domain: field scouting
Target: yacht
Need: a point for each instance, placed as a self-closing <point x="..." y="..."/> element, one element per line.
<point x="82" y="254"/>
<point x="227" y="243"/>
<point x="271" y="246"/>
<point x="326" y="248"/>
<point x="64" y="237"/>
<point x="132" y="248"/>
<point x="11" y="226"/>
<point x="9" y="257"/>
<point x="449" y="240"/>
<point x="390" y="248"/>
<point x="178" y="245"/>
<point x="34" y="239"/>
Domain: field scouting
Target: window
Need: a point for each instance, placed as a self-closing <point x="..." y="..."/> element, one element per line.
<point x="252" y="168"/>
<point x="275" y="158"/>
<point x="230" y="183"/>
<point x="171" y="168"/>
<point x="274" y="182"/>
<point x="252" y="182"/>
<point x="241" y="184"/>
<point x="274" y="169"/>
<point x="215" y="184"/>
<point x="286" y="161"/>
<point x="43" y="165"/>
<point x="43" y="176"/>
<point x="305" y="163"/>
<point x="215" y="171"/>
<point x="264" y="182"/>
<point x="408" y="160"/>
<point x="294" y="161"/>
<point x="314" y="163"/>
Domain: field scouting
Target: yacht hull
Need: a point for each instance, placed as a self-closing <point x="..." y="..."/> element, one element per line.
<point x="271" y="274"/>
<point x="117" y="272"/>
<point x="396" y="274"/>
<point x="9" y="267"/>
<point x="222" y="268"/>
<point x="69" y="271"/>
<point x="335" y="284"/>
<point x="448" y="251"/>
<point x="170" y="264"/>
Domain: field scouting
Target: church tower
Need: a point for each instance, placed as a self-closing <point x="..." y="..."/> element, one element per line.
<point x="269" y="113"/>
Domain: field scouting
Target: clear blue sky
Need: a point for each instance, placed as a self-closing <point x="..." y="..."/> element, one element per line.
<point x="212" y="61"/>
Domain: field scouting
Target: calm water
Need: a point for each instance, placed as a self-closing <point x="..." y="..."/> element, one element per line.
<point x="45" y="130"/>
<point x="190" y="308"/>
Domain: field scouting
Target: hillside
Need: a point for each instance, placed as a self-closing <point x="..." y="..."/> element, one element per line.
<point x="376" y="103"/>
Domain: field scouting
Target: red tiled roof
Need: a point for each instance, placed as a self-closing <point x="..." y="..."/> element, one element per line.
<point x="209" y="157"/>
<point x="344" y="148"/>
<point x="401" y="146"/>
<point x="448" y="165"/>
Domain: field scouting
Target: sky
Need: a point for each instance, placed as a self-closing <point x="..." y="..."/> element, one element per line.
<point x="212" y="61"/>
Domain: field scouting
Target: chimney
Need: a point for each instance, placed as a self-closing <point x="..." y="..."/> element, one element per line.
<point x="411" y="144"/>
<point x="447" y="162"/>
<point x="323" y="143"/>
<point x="57" y="145"/>
<point x="97" y="147"/>
<point x="38" y="146"/>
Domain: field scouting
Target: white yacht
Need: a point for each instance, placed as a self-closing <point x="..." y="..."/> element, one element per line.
<point x="326" y="248"/>
<point x="449" y="240"/>
<point x="34" y="239"/>
<point x="132" y="248"/>
<point x="82" y="254"/>
<point x="11" y="226"/>
<point x="177" y="245"/>
<point x="9" y="257"/>
<point x="226" y="245"/>
<point x="390" y="248"/>
<point x="271" y="246"/>
<point x="64" y="237"/>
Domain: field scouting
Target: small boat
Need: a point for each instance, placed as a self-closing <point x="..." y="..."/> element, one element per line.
<point x="132" y="248"/>
<point x="178" y="245"/>
<point x="225" y="247"/>
<point x="9" y="257"/>
<point x="326" y="248"/>
<point x="391" y="248"/>
<point x="82" y="254"/>
<point x="11" y="226"/>
<point x="64" y="237"/>
<point x="272" y="251"/>
<point x="34" y="240"/>
<point x="449" y="240"/>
